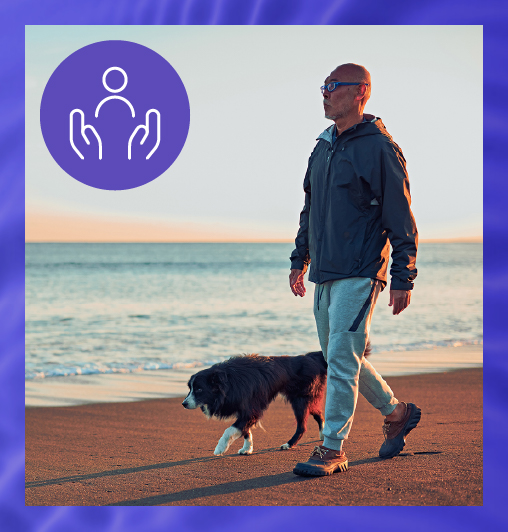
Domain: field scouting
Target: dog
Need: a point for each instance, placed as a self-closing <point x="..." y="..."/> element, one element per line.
<point x="244" y="386"/>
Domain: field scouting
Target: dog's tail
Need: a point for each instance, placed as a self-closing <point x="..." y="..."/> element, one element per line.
<point x="368" y="349"/>
<point x="319" y="354"/>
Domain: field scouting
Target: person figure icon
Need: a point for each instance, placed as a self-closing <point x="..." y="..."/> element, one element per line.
<point x="114" y="96"/>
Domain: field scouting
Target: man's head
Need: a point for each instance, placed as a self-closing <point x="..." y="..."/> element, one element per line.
<point x="347" y="100"/>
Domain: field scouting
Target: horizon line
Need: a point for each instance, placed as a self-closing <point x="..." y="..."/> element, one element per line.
<point x="459" y="240"/>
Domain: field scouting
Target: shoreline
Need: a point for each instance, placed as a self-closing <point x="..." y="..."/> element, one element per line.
<point x="155" y="452"/>
<point x="153" y="384"/>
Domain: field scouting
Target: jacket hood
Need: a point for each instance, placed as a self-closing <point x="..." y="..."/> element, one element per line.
<point x="372" y="125"/>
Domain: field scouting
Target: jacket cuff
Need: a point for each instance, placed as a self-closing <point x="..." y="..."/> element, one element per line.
<point x="297" y="264"/>
<point x="397" y="284"/>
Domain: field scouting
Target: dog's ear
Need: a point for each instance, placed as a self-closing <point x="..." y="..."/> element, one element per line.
<point x="219" y="379"/>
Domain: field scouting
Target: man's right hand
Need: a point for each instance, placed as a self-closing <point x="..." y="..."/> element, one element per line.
<point x="296" y="281"/>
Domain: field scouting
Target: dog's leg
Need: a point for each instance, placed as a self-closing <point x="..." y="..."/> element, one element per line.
<point x="230" y="435"/>
<point x="318" y="416"/>
<point x="301" y="410"/>
<point x="316" y="407"/>
<point x="247" y="444"/>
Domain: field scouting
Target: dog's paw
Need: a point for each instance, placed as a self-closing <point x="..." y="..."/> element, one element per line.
<point x="285" y="447"/>
<point x="229" y="436"/>
<point x="245" y="451"/>
<point x="248" y="447"/>
<point x="220" y="450"/>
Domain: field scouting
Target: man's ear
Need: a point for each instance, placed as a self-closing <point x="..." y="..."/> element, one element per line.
<point x="362" y="89"/>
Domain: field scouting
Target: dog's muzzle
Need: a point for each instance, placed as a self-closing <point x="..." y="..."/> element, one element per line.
<point x="189" y="402"/>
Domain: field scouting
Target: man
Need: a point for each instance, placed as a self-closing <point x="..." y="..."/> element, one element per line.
<point x="357" y="203"/>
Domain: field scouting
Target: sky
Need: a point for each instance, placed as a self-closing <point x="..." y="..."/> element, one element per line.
<point x="256" y="111"/>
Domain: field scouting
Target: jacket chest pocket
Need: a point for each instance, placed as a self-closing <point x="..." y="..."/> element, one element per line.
<point x="345" y="183"/>
<point x="341" y="172"/>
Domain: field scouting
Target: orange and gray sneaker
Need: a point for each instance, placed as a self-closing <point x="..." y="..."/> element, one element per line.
<point x="322" y="461"/>
<point x="395" y="432"/>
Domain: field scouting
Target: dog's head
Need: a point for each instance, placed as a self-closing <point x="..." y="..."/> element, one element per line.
<point x="207" y="390"/>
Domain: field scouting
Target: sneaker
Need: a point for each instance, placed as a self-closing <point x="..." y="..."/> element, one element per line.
<point x="395" y="432"/>
<point x="322" y="461"/>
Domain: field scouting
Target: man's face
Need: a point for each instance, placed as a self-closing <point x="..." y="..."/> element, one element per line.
<point x="339" y="103"/>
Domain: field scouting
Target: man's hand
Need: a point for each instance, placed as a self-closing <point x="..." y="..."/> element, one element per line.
<point x="296" y="281"/>
<point x="399" y="299"/>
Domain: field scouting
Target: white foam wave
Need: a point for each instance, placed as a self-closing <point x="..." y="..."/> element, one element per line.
<point x="94" y="369"/>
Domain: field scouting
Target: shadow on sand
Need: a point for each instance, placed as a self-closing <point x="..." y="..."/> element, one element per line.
<point x="227" y="488"/>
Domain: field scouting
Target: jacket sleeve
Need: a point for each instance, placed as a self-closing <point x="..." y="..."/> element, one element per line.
<point x="397" y="218"/>
<point x="300" y="255"/>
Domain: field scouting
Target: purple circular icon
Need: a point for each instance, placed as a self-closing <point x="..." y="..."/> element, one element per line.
<point x="115" y="115"/>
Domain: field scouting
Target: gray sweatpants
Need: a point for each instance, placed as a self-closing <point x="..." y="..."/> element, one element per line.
<point x="343" y="311"/>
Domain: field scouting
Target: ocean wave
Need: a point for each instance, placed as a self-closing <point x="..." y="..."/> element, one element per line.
<point x="204" y="264"/>
<point x="96" y="369"/>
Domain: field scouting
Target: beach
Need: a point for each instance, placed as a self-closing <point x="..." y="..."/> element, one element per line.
<point x="155" y="452"/>
<point x="114" y="331"/>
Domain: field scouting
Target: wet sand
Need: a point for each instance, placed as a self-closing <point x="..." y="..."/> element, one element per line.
<point x="155" y="452"/>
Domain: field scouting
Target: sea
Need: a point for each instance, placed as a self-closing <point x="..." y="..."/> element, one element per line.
<point x="121" y="308"/>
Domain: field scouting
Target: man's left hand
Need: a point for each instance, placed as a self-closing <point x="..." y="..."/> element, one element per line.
<point x="399" y="300"/>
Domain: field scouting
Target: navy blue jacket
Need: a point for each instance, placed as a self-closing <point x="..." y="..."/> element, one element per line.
<point x="357" y="203"/>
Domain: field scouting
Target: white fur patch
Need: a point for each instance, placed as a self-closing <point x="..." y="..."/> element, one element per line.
<point x="321" y="435"/>
<point x="285" y="446"/>
<point x="190" y="401"/>
<point x="248" y="447"/>
<point x="230" y="435"/>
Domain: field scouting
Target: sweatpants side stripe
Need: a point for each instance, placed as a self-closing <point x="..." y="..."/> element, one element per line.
<point x="363" y="310"/>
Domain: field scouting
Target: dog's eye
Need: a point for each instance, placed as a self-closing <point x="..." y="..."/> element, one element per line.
<point x="198" y="390"/>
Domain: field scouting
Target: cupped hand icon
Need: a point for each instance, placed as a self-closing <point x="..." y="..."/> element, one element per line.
<point x="146" y="127"/>
<point x="82" y="131"/>
<point x="114" y="114"/>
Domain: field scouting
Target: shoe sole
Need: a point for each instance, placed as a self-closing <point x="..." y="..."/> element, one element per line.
<point x="305" y="470"/>
<point x="411" y="424"/>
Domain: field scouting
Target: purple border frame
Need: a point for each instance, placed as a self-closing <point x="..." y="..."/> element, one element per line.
<point x="14" y="15"/>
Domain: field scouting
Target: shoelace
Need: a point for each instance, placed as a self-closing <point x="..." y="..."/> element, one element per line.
<point x="386" y="429"/>
<point x="319" y="451"/>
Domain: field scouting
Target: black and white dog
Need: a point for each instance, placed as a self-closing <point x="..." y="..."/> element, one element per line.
<point x="244" y="386"/>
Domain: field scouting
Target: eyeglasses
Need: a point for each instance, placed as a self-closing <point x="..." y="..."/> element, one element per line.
<point x="334" y="84"/>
